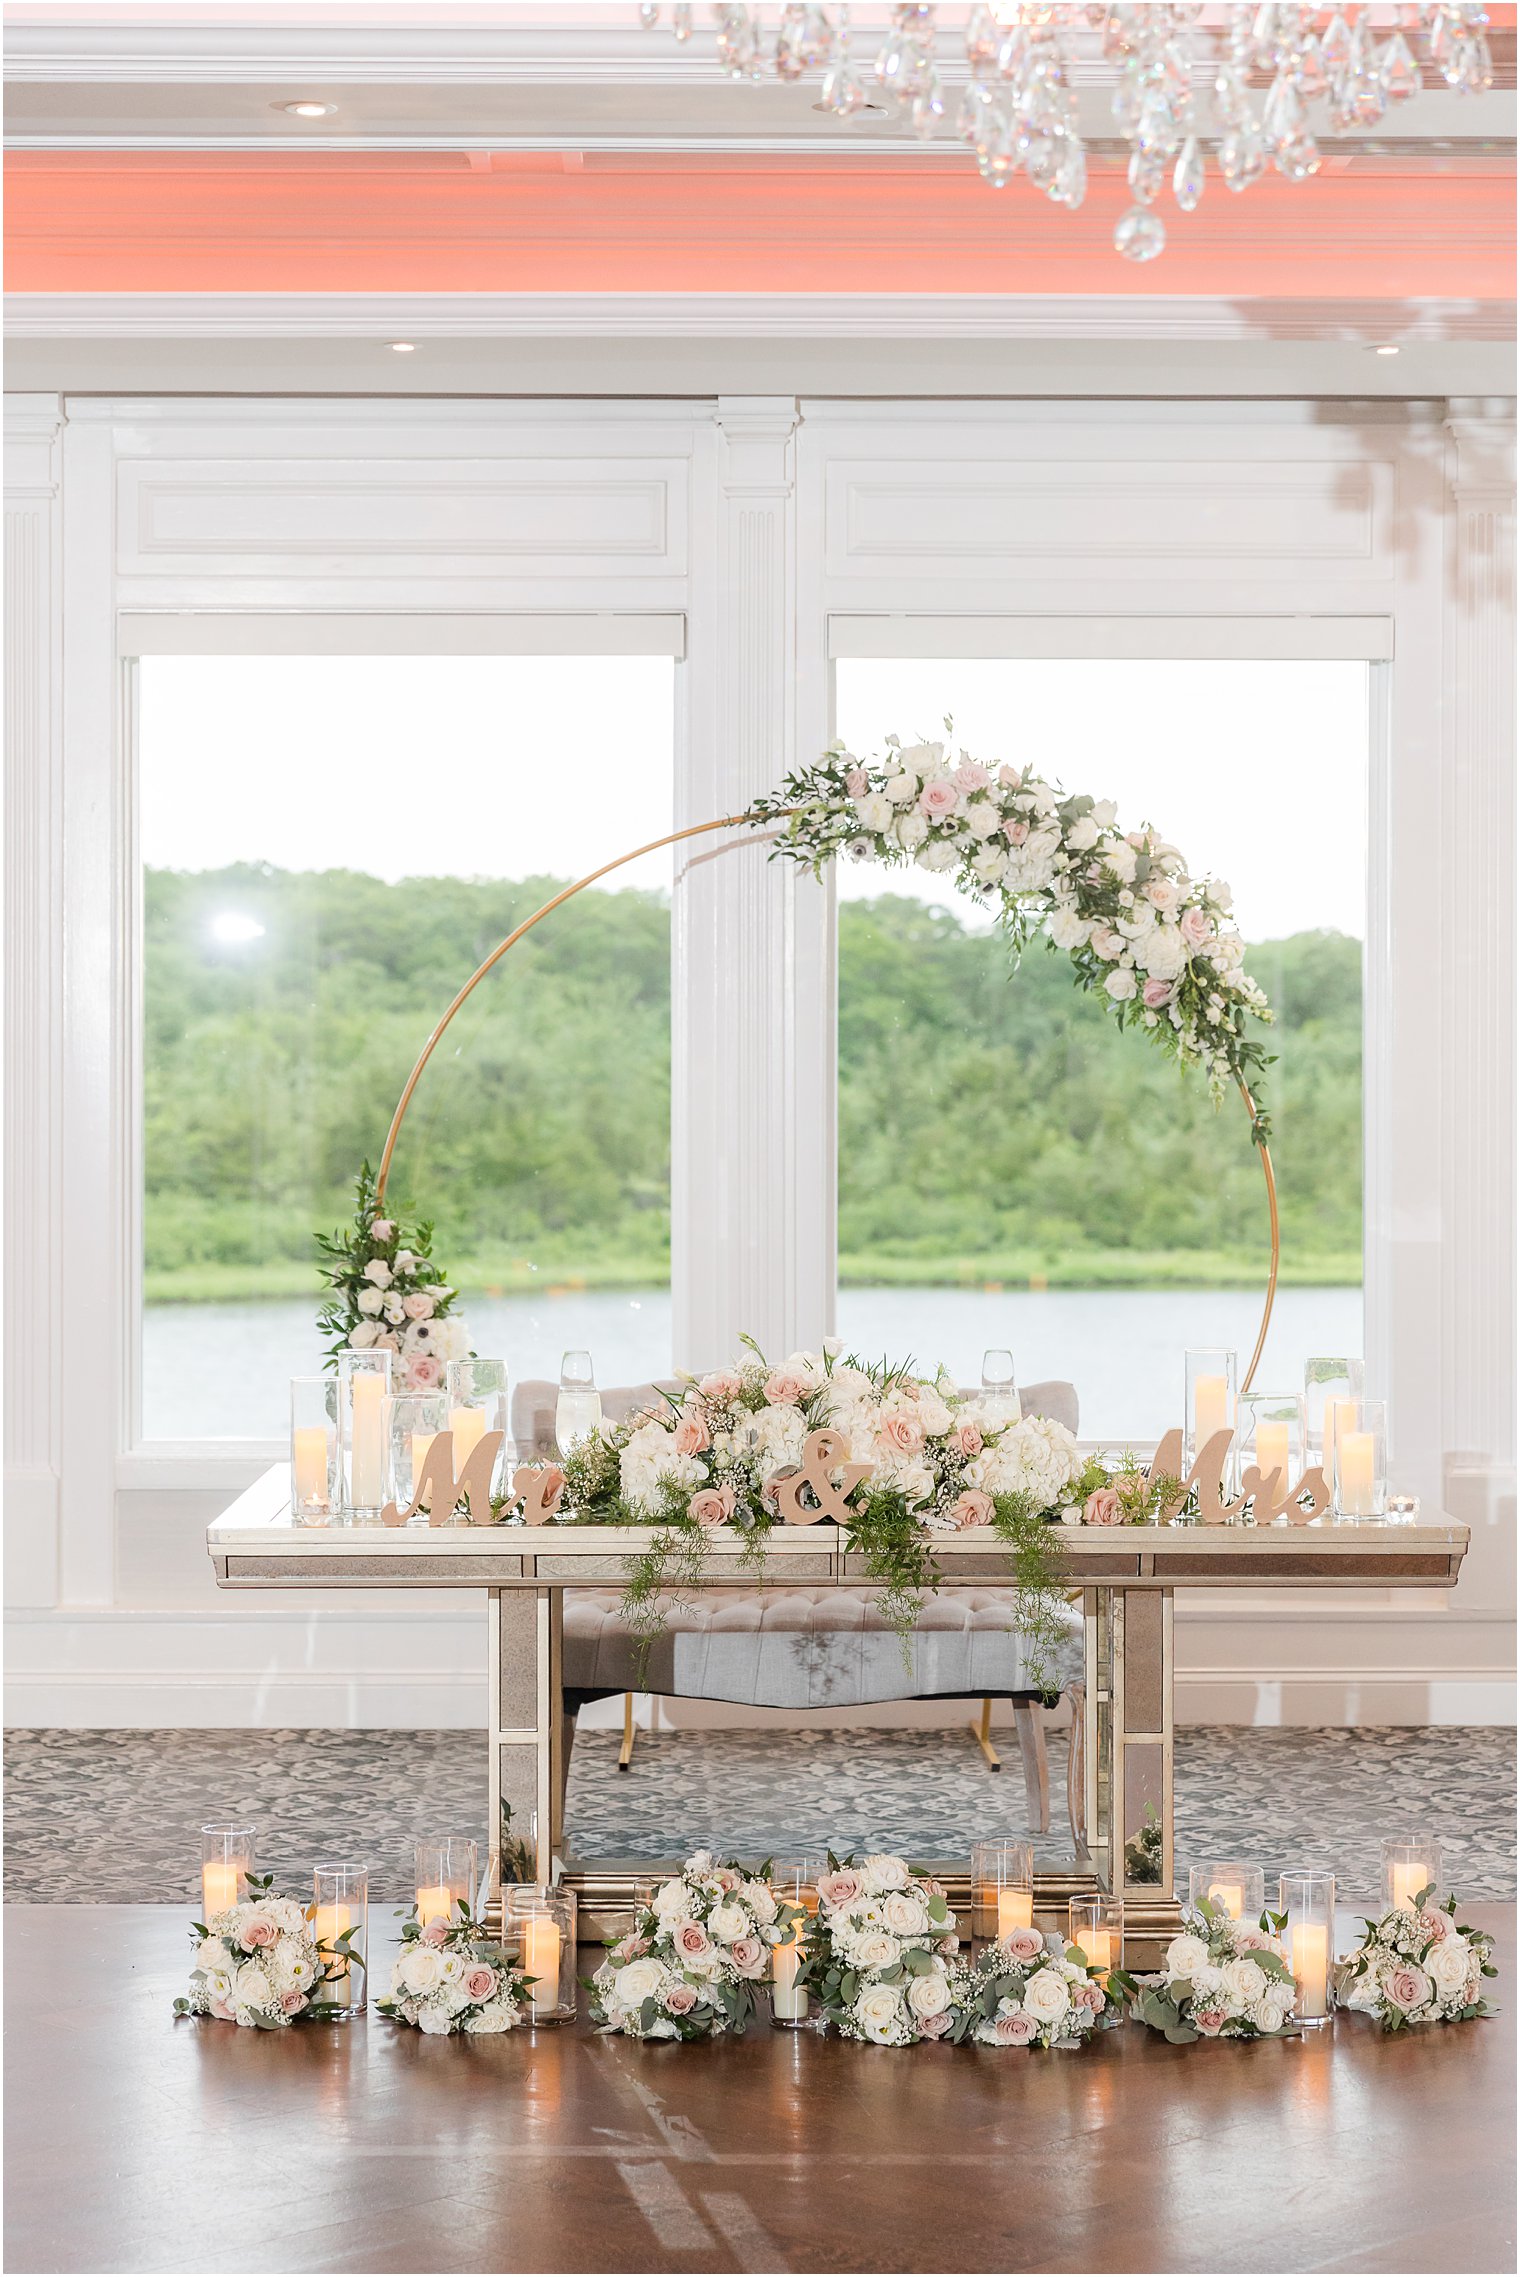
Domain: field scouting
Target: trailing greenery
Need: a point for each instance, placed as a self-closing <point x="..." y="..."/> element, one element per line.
<point x="988" y="1132"/>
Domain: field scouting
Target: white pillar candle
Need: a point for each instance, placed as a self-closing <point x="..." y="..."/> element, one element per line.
<point x="329" y="1924"/>
<point x="1015" y="1910"/>
<point x="1272" y="1455"/>
<point x="1098" y="1945"/>
<point x="1309" y="1958"/>
<point x="309" y="1447"/>
<point x="1228" y="1897"/>
<point x="1407" y="1880"/>
<point x="540" y="1959"/>
<point x="788" y="2000"/>
<point x="1338" y="1412"/>
<point x="1355" y="1455"/>
<point x="367" y="1460"/>
<point x="1211" y="1409"/>
<point x="219" y="1885"/>
<point x="435" y="1904"/>
<point x="468" y="1426"/>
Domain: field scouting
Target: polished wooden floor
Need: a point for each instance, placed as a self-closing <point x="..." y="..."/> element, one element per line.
<point x="138" y="2143"/>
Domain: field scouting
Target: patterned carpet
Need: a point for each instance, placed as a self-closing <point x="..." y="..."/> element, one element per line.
<point x="112" y="1817"/>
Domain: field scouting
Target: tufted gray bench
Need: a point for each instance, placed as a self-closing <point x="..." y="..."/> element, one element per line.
<point x="799" y="1648"/>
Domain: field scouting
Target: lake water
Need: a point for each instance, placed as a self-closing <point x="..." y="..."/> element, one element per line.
<point x="223" y="1370"/>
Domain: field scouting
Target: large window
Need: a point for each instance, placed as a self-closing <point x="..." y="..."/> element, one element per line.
<point x="1014" y="1171"/>
<point x="330" y="844"/>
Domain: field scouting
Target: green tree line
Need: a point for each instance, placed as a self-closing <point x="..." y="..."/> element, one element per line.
<point x="991" y="1126"/>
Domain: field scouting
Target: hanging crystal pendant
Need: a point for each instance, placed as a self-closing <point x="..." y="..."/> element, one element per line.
<point x="1188" y="177"/>
<point x="1147" y="172"/>
<point x="1398" y="70"/>
<point x="649" y="15"/>
<point x="1141" y="234"/>
<point x="1070" y="185"/>
<point x="1242" y="160"/>
<point x="680" y="21"/>
<point x="928" y="105"/>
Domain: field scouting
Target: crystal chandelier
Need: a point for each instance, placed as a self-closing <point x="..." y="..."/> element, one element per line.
<point x="1018" y="109"/>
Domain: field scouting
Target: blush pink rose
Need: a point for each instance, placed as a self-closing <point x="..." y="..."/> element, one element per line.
<point x="554" y="1485"/>
<point x="723" y="1384"/>
<point x="1209" y="2021"/>
<point x="1156" y="993"/>
<point x="1088" y="1996"/>
<point x="292" y="2003"/>
<point x="748" y="1956"/>
<point x="692" y="1436"/>
<point x="1010" y="777"/>
<point x="1407" y="1988"/>
<point x="681" y="1999"/>
<point x="219" y="2009"/>
<point x="839" y="1888"/>
<point x="967" y="1440"/>
<point x="1103" y="1508"/>
<point x="419" y="1305"/>
<point x="480" y="1981"/>
<point x="1023" y="1944"/>
<point x="1161" y="893"/>
<point x="968" y="776"/>
<point x="381" y="1228"/>
<point x="939" y="798"/>
<point x="935" y="2027"/>
<point x="257" y="1933"/>
<point x="902" y="1433"/>
<point x="973" y="1508"/>
<point x="1436" y="1925"/>
<point x="1015" y="2031"/>
<point x="856" y="782"/>
<point x="725" y="1879"/>
<point x="691" y="1939"/>
<point x="783" y="1389"/>
<point x="1252" y="1941"/>
<point x="1015" y="832"/>
<point x="424" y="1372"/>
<point x="436" y="1933"/>
<point x="712" y="1505"/>
<point x="1196" y="926"/>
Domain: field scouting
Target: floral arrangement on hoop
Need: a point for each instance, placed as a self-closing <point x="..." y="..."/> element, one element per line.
<point x="450" y="1976"/>
<point x="1155" y="942"/>
<point x="389" y="1296"/>
<point x="879" y="1952"/>
<point x="258" y="1963"/>
<point x="1018" y="1994"/>
<point x="1221" y="1979"/>
<point x="1418" y="1965"/>
<point x="692" y="1964"/>
<point x="712" y="1456"/>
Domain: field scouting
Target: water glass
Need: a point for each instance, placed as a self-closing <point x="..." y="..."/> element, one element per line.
<point x="999" y="1381"/>
<point x="579" y="1409"/>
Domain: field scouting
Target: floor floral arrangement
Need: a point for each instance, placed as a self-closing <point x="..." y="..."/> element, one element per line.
<point x="1017" y="1994"/>
<point x="258" y="1963"/>
<point x="1418" y="1965"/>
<point x="452" y="1976"/>
<point x="1221" y="1979"/>
<point x="697" y="1957"/>
<point x="880" y="1952"/>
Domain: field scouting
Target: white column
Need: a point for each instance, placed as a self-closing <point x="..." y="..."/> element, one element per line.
<point x="1478" y="1012"/>
<point x="753" y="1170"/>
<point x="33" y="995"/>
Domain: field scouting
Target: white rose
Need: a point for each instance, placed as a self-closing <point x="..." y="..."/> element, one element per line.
<point x="874" y="811"/>
<point x="1045" y="1996"/>
<point x="911" y="831"/>
<point x="1448" y="1964"/>
<point x="728" y="1922"/>
<point x="874" y="1949"/>
<point x="901" y="790"/>
<point x="882" y="1871"/>
<point x="1121" y="984"/>
<point x="433" y="2020"/>
<point x="1185" y="1956"/>
<point x="929" y="1996"/>
<point x="1205" y="1980"/>
<point x="906" y="1915"/>
<point x="1266" y="2015"/>
<point x="982" y="818"/>
<point x="421" y="1968"/>
<point x="638" y="1982"/>
<point x="251" y="1988"/>
<point x="990" y="865"/>
<point x="672" y="1902"/>
<point x="1067" y="930"/>
<point x="379" y="1272"/>
<point x="370" y="1300"/>
<point x="761" y="1903"/>
<point x="365" y="1333"/>
<point x="496" y="2016"/>
<point x="942" y="855"/>
<point x="1244" y="1981"/>
<point x="1082" y="834"/>
<point x="878" y="2012"/>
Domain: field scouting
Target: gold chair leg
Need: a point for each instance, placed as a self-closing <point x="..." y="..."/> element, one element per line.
<point x="982" y="1734"/>
<point x="625" y="1752"/>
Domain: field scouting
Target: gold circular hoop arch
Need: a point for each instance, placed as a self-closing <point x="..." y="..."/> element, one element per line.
<point x="674" y="838"/>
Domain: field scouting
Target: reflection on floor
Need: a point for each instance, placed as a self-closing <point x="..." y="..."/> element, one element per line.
<point x="112" y="1817"/>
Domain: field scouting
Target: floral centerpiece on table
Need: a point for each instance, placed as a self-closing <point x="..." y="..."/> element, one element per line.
<point x="389" y="1296"/>
<point x="452" y="1976"/>
<point x="693" y="1963"/>
<point x="880" y="1952"/>
<point x="258" y="1963"/>
<point x="1155" y="942"/>
<point x="1125" y="1494"/>
<point x="1018" y="1994"/>
<point x="712" y="1455"/>
<point x="1418" y="1965"/>
<point x="1221" y="1979"/>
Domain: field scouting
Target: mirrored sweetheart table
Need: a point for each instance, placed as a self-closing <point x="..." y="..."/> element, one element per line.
<point x="1127" y="1579"/>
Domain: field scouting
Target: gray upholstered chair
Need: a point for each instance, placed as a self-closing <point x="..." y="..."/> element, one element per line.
<point x="795" y="1647"/>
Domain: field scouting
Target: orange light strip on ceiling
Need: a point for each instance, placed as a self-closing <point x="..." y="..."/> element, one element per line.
<point x="434" y="222"/>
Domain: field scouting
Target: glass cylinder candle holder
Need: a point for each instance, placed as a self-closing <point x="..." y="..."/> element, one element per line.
<point x="794" y="1882"/>
<point x="479" y="1398"/>
<point x="1307" y="1897"/>
<point x="413" y="1421"/>
<point x="1271" y="1438"/>
<point x="1231" y="1887"/>
<point x="1209" y="1408"/>
<point x="226" y="1863"/>
<point x="445" y="1877"/>
<point x="1329" y="1384"/>
<point x="1359" y="1463"/>
<point x="541" y="1923"/>
<point x="315" y="1477"/>
<point x="1096" y="1925"/>
<point x="1002" y="1887"/>
<point x="1411" y="1863"/>
<point x="364" y="1384"/>
<point x="340" y="1920"/>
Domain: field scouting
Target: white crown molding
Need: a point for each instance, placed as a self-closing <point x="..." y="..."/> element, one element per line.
<point x="742" y="316"/>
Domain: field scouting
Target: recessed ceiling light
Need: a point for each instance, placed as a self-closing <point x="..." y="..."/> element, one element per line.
<point x="1385" y="348"/>
<point x="402" y="347"/>
<point x="865" y="110"/>
<point x="307" y="110"/>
